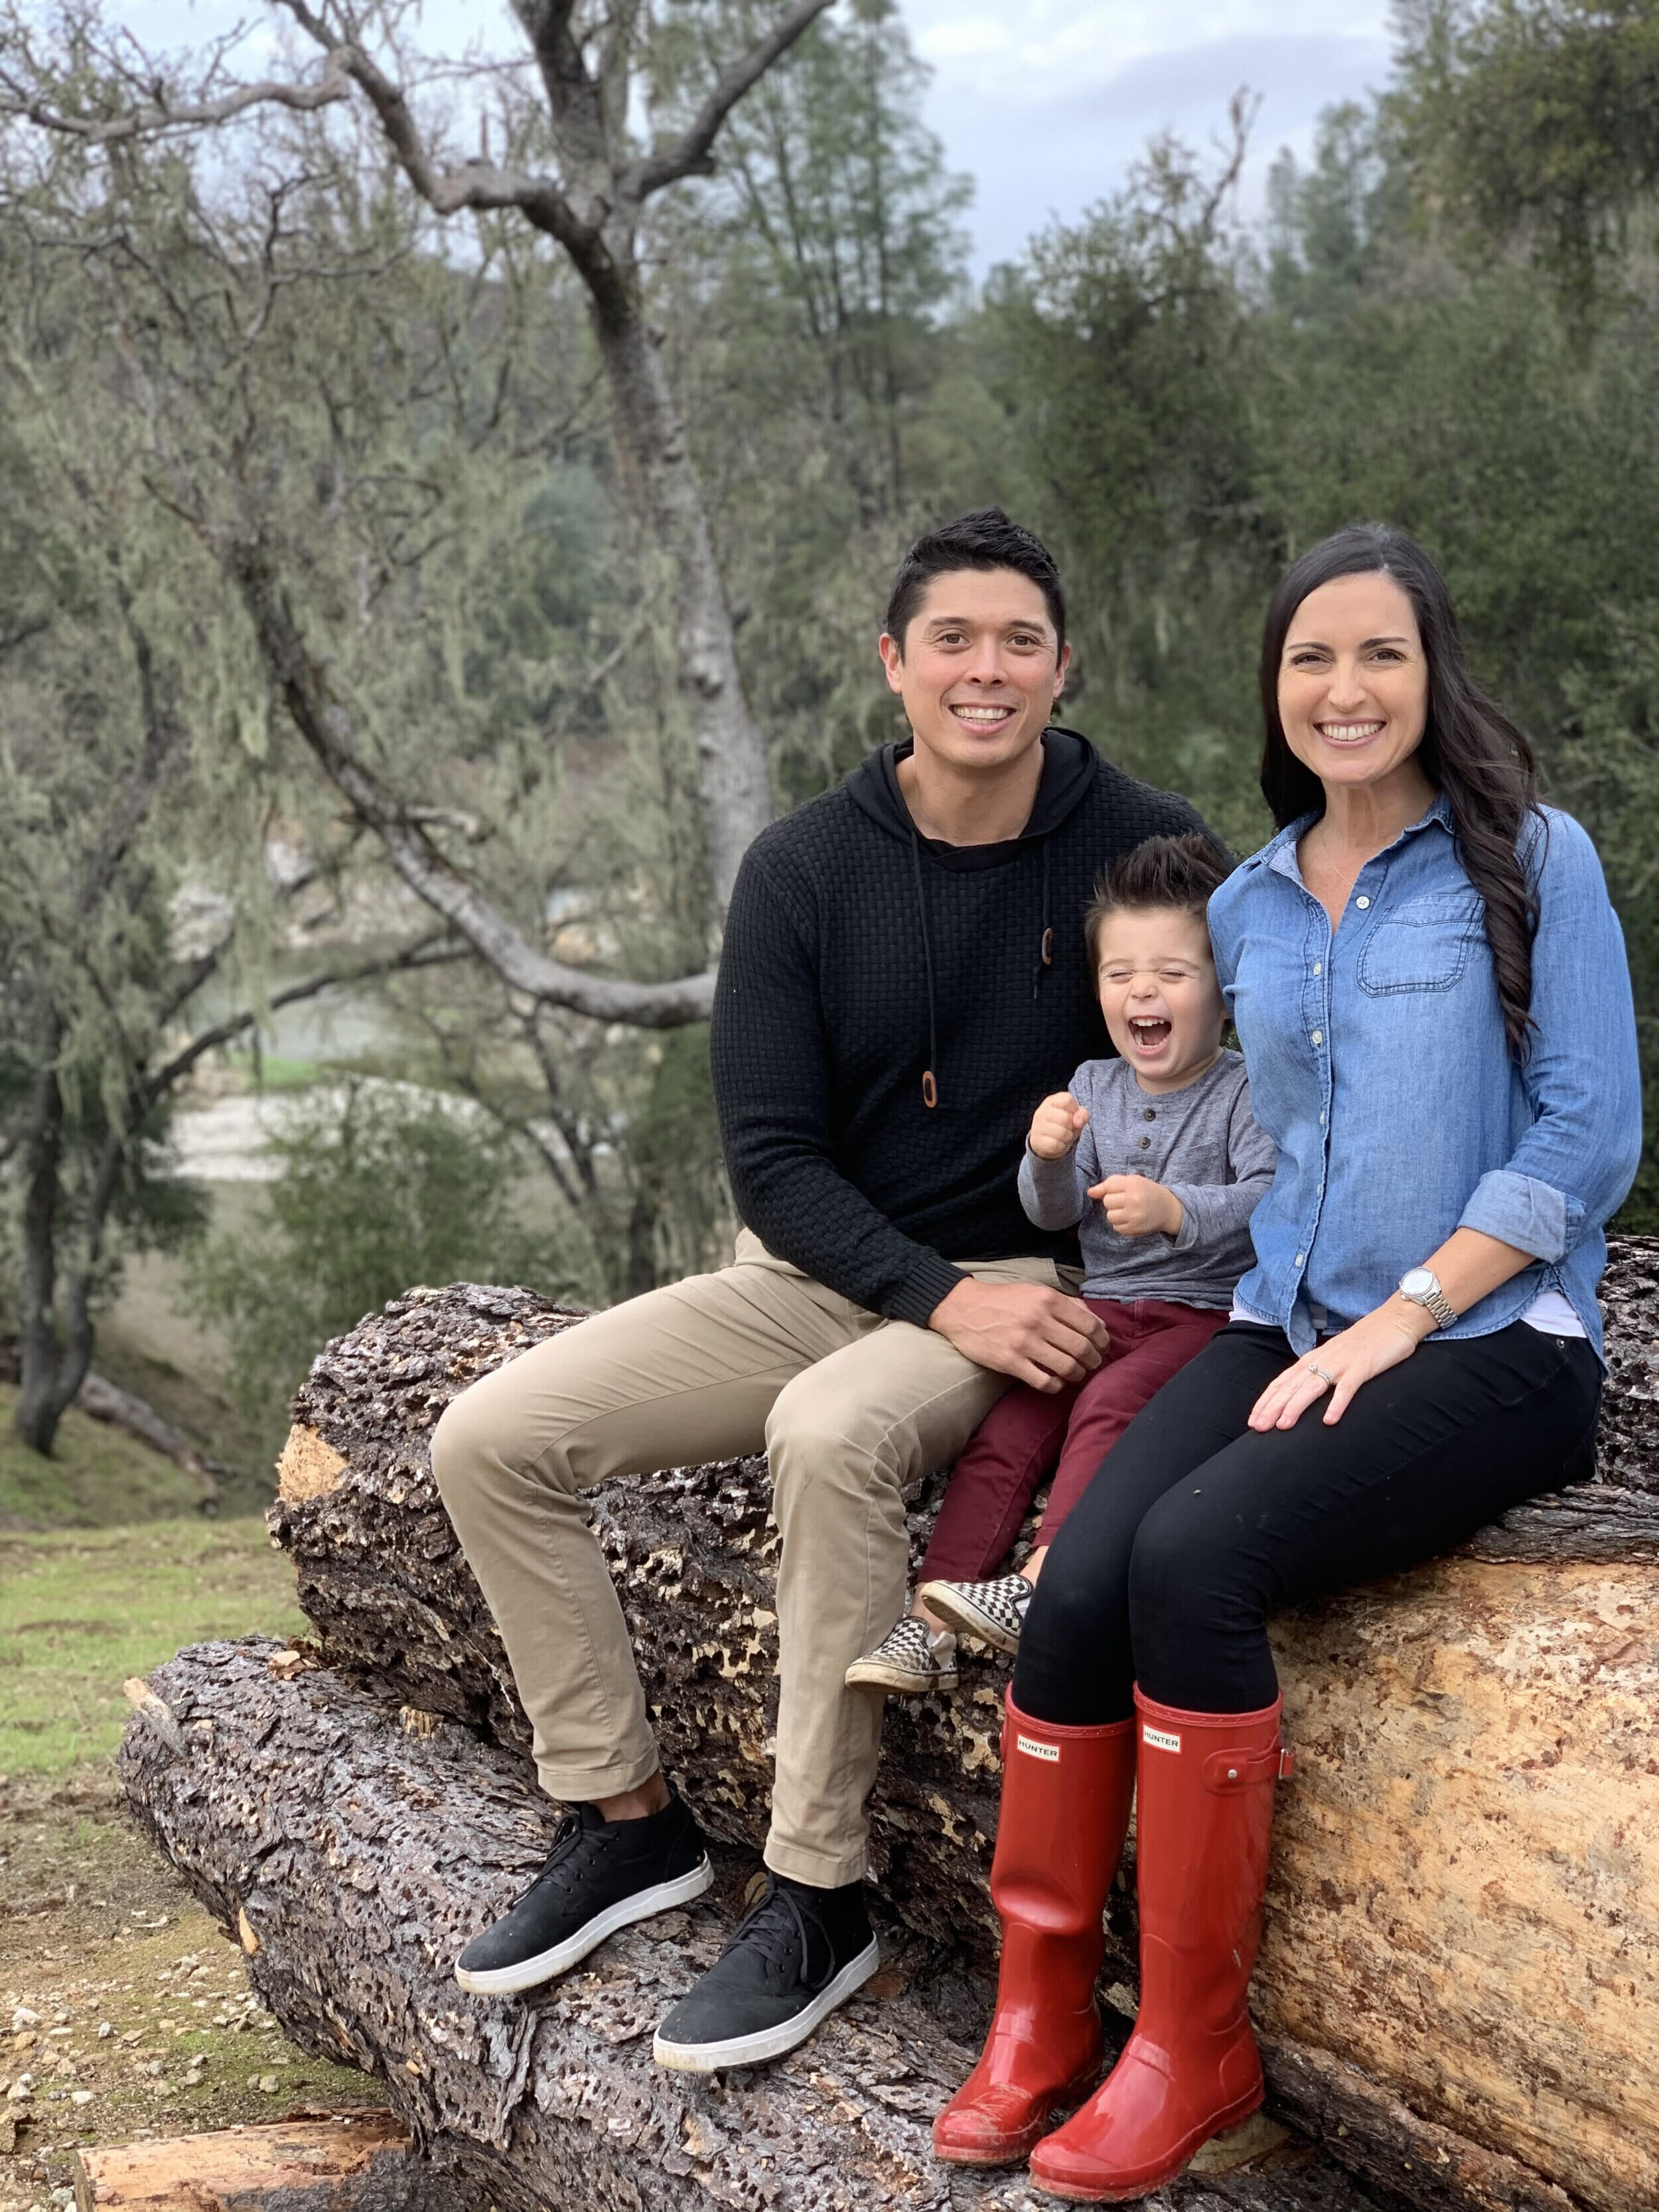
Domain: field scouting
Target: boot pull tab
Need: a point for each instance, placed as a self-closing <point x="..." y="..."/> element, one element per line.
<point x="1228" y="1772"/>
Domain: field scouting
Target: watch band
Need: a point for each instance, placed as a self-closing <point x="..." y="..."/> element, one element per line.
<point x="1431" y="1298"/>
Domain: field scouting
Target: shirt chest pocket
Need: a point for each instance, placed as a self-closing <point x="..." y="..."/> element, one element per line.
<point x="1423" y="945"/>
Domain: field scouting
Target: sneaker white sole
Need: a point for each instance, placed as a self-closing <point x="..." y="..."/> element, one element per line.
<point x="546" y="1966"/>
<point x="769" y="2042"/>
<point x="871" y="1674"/>
<point x="966" y="1618"/>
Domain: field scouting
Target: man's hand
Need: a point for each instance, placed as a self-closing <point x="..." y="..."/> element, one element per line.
<point x="1038" y="1336"/>
<point x="1056" y="1126"/>
<point x="1137" y="1206"/>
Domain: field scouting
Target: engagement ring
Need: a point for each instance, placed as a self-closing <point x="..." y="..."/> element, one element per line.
<point x="1321" y="1372"/>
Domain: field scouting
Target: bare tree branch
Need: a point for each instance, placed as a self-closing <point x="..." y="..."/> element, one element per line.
<point x="477" y="185"/>
<point x="325" y="727"/>
<point x="692" y="155"/>
<point x="436" y="952"/>
<point x="158" y="117"/>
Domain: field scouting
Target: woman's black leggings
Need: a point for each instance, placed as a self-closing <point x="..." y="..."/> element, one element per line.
<point x="1196" y="1529"/>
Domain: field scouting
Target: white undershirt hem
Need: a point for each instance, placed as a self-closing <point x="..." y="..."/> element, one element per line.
<point x="1551" y="1313"/>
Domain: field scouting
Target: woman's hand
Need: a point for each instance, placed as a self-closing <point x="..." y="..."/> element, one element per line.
<point x="1335" y="1369"/>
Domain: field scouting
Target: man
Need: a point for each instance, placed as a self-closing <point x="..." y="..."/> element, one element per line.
<point x="903" y="977"/>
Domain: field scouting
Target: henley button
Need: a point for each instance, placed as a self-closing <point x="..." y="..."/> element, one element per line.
<point x="1143" y="1142"/>
<point x="1147" y="1114"/>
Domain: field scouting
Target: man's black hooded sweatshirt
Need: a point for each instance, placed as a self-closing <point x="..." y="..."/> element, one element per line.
<point x="861" y="958"/>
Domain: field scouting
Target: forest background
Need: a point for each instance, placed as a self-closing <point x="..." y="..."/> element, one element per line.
<point x="445" y="509"/>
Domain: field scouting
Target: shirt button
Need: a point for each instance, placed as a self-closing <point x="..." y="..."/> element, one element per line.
<point x="1321" y="1121"/>
<point x="1148" y="1114"/>
<point x="1143" y="1142"/>
<point x="1319" y="1037"/>
<point x="1300" y="1257"/>
<point x="1362" y="903"/>
<point x="1319" y="967"/>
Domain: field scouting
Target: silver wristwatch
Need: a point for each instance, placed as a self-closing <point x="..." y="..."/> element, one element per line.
<point x="1420" y="1287"/>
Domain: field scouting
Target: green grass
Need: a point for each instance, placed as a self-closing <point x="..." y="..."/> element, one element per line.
<point x="81" y="1610"/>
<point x="96" y="1475"/>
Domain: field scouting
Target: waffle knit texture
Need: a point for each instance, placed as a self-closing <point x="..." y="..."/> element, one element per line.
<point x="860" y="957"/>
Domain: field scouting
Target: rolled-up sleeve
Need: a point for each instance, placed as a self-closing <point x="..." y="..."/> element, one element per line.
<point x="1574" y="1165"/>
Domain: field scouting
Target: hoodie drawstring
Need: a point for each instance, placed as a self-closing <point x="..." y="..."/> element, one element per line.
<point x="929" y="1087"/>
<point x="1045" y="959"/>
<point x="1045" y="944"/>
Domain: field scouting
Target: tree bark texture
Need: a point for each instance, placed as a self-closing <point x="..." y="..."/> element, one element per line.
<point x="353" y="1859"/>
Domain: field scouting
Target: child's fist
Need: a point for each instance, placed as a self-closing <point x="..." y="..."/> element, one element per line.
<point x="1137" y="1206"/>
<point x="1056" y="1126"/>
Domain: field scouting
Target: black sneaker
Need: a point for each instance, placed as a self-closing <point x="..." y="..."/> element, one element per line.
<point x="785" y="1969"/>
<point x="599" y="1875"/>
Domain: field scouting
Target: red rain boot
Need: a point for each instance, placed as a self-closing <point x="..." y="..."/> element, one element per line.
<point x="1191" y="2067"/>
<point x="1065" y="1810"/>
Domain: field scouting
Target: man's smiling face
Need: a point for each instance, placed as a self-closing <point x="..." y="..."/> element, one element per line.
<point x="979" y="668"/>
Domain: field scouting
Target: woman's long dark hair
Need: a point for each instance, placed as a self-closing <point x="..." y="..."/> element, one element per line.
<point x="1471" y="750"/>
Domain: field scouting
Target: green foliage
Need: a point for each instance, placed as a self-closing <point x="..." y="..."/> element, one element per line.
<point x="374" y="1194"/>
<point x="1534" y="119"/>
<point x="816" y="313"/>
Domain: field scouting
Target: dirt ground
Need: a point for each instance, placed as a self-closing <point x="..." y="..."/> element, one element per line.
<point x="124" y="2011"/>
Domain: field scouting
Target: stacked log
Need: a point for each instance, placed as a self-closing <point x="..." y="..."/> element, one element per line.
<point x="333" y="2163"/>
<point x="355" y="1857"/>
<point x="1459" y="1988"/>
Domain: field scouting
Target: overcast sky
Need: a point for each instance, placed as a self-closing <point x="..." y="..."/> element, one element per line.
<point x="1045" y="103"/>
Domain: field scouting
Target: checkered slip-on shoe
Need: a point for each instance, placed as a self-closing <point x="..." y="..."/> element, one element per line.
<point x="907" y="1662"/>
<point x="994" y="1611"/>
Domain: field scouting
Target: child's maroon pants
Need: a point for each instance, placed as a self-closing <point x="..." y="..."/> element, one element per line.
<point x="1029" y="1433"/>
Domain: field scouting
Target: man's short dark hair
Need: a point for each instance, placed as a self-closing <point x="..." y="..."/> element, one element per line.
<point x="1182" y="873"/>
<point x="987" y="538"/>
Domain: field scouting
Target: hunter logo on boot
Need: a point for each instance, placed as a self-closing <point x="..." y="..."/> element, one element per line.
<point x="1033" y="1749"/>
<point x="1159" y="1739"/>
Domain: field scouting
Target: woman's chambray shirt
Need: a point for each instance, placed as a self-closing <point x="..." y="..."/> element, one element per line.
<point x="1378" y="1067"/>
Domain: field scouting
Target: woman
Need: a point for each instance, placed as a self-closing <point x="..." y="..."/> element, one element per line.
<point x="1430" y="989"/>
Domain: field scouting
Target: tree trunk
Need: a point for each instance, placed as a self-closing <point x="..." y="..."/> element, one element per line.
<point x="353" y="1859"/>
<point x="49" y="1373"/>
<point x="733" y="774"/>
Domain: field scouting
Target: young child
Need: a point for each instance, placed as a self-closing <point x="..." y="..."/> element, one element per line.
<point x="1157" y="1155"/>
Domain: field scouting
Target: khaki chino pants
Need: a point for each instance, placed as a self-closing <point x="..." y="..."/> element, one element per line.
<point x="851" y="1409"/>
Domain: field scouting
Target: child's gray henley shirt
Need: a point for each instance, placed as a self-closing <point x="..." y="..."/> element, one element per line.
<point x="1202" y="1143"/>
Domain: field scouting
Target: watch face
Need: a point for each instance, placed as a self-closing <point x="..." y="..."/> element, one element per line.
<point x="1415" y="1282"/>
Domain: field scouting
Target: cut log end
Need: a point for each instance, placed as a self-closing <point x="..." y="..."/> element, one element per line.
<point x="359" y="2161"/>
<point x="309" y="1466"/>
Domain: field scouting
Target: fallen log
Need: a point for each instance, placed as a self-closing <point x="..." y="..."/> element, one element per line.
<point x="336" y="2162"/>
<point x="352" y="1859"/>
<point x="1463" y="1929"/>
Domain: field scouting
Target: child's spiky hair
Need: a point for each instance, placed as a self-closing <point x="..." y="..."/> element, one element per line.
<point x="1181" y="872"/>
